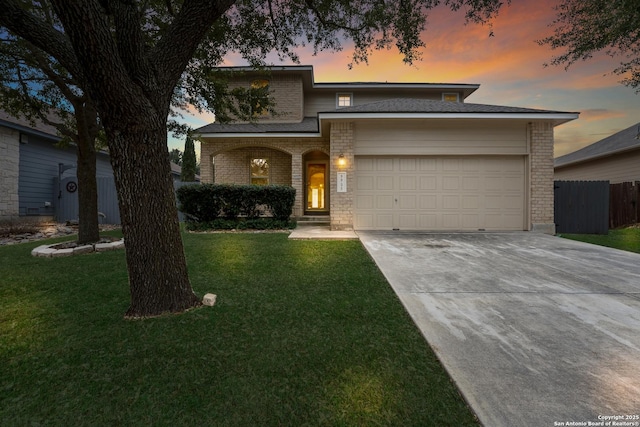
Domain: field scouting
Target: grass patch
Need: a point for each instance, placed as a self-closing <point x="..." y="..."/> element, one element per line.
<point x="627" y="239"/>
<point x="304" y="333"/>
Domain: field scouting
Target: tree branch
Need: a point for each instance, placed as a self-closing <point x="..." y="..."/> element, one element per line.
<point x="175" y="49"/>
<point x="43" y="35"/>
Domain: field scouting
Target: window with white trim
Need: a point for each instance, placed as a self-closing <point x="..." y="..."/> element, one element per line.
<point x="344" y="100"/>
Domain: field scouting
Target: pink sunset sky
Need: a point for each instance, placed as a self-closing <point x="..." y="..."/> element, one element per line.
<point x="508" y="66"/>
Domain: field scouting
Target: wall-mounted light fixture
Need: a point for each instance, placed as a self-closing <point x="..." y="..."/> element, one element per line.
<point x="341" y="160"/>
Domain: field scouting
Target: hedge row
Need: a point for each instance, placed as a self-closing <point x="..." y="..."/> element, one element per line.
<point x="208" y="202"/>
<point x="242" y="224"/>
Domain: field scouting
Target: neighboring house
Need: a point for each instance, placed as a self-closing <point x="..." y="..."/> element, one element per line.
<point x="386" y="156"/>
<point x="31" y="164"/>
<point x="615" y="159"/>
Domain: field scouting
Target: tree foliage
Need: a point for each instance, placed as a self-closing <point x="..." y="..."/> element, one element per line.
<point x="188" y="161"/>
<point x="35" y="86"/>
<point x="175" y="156"/>
<point x="583" y="28"/>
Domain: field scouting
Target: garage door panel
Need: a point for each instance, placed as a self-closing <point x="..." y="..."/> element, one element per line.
<point x="385" y="182"/>
<point x="408" y="221"/>
<point x="428" y="202"/>
<point x="408" y="202"/>
<point x="470" y="183"/>
<point x="384" y="201"/>
<point x="384" y="164"/>
<point x="384" y="221"/>
<point x="427" y="164"/>
<point x="428" y="182"/>
<point x="365" y="183"/>
<point x="471" y="202"/>
<point x="470" y="221"/>
<point x="428" y="221"/>
<point x="440" y="193"/>
<point x="450" y="183"/>
<point x="408" y="183"/>
<point x="408" y="165"/>
<point x="450" y="202"/>
<point x="364" y="202"/>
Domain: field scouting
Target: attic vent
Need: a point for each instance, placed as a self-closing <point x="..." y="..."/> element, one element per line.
<point x="450" y="97"/>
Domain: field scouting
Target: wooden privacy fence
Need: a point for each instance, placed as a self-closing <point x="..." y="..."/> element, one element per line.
<point x="624" y="208"/>
<point x="581" y="207"/>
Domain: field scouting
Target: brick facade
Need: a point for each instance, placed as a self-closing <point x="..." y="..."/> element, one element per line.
<point x="282" y="151"/>
<point x="286" y="91"/>
<point x="541" y="162"/>
<point x="9" y="171"/>
<point x="342" y="138"/>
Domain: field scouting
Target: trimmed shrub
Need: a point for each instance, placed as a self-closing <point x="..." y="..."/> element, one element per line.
<point x="208" y="203"/>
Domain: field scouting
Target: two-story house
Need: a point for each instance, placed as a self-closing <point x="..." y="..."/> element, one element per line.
<point x="386" y="156"/>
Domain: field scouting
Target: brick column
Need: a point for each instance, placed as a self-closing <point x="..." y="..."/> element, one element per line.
<point x="206" y="171"/>
<point x="9" y="172"/>
<point x="297" y="182"/>
<point x="341" y="142"/>
<point x="541" y="158"/>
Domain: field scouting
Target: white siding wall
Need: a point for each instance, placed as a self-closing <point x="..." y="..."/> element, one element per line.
<point x="619" y="168"/>
<point x="414" y="137"/>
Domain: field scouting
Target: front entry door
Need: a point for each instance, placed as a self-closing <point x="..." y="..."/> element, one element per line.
<point x="317" y="188"/>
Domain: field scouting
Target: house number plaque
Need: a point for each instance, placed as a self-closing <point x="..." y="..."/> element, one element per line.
<point x="342" y="182"/>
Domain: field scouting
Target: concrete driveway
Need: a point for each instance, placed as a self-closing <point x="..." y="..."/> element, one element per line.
<point x="535" y="330"/>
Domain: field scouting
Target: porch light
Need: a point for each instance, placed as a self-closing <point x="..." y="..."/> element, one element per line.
<point x="341" y="160"/>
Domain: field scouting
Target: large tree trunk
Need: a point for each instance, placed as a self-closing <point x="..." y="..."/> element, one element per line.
<point x="87" y="128"/>
<point x="156" y="262"/>
<point x="88" y="230"/>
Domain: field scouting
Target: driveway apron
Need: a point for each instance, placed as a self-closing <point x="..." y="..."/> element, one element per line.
<point x="534" y="329"/>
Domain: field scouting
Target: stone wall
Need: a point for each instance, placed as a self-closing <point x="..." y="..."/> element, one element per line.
<point x="9" y="171"/>
<point x="541" y="152"/>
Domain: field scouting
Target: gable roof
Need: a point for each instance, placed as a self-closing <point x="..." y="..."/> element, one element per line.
<point x="310" y="85"/>
<point x="391" y="108"/>
<point x="24" y="125"/>
<point x="625" y="140"/>
<point x="410" y="105"/>
<point x="307" y="125"/>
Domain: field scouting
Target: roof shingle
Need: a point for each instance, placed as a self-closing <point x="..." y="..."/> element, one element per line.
<point x="624" y="140"/>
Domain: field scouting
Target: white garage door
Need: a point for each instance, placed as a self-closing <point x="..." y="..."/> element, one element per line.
<point x="440" y="193"/>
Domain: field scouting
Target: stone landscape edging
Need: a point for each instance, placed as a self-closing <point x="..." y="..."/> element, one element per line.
<point x="49" y="251"/>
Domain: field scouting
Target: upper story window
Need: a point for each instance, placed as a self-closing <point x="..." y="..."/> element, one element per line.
<point x="259" y="83"/>
<point x="450" y="97"/>
<point x="260" y="171"/>
<point x="344" y="100"/>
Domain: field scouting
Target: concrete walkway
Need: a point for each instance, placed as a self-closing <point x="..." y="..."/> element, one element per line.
<point x="535" y="330"/>
<point x="321" y="232"/>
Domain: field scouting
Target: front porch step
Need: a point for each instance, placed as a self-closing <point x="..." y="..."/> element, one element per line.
<point x="314" y="220"/>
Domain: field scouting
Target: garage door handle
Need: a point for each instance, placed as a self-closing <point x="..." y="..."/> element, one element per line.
<point x="396" y="200"/>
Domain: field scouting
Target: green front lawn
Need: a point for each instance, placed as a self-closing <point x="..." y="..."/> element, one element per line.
<point x="627" y="239"/>
<point x="303" y="333"/>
